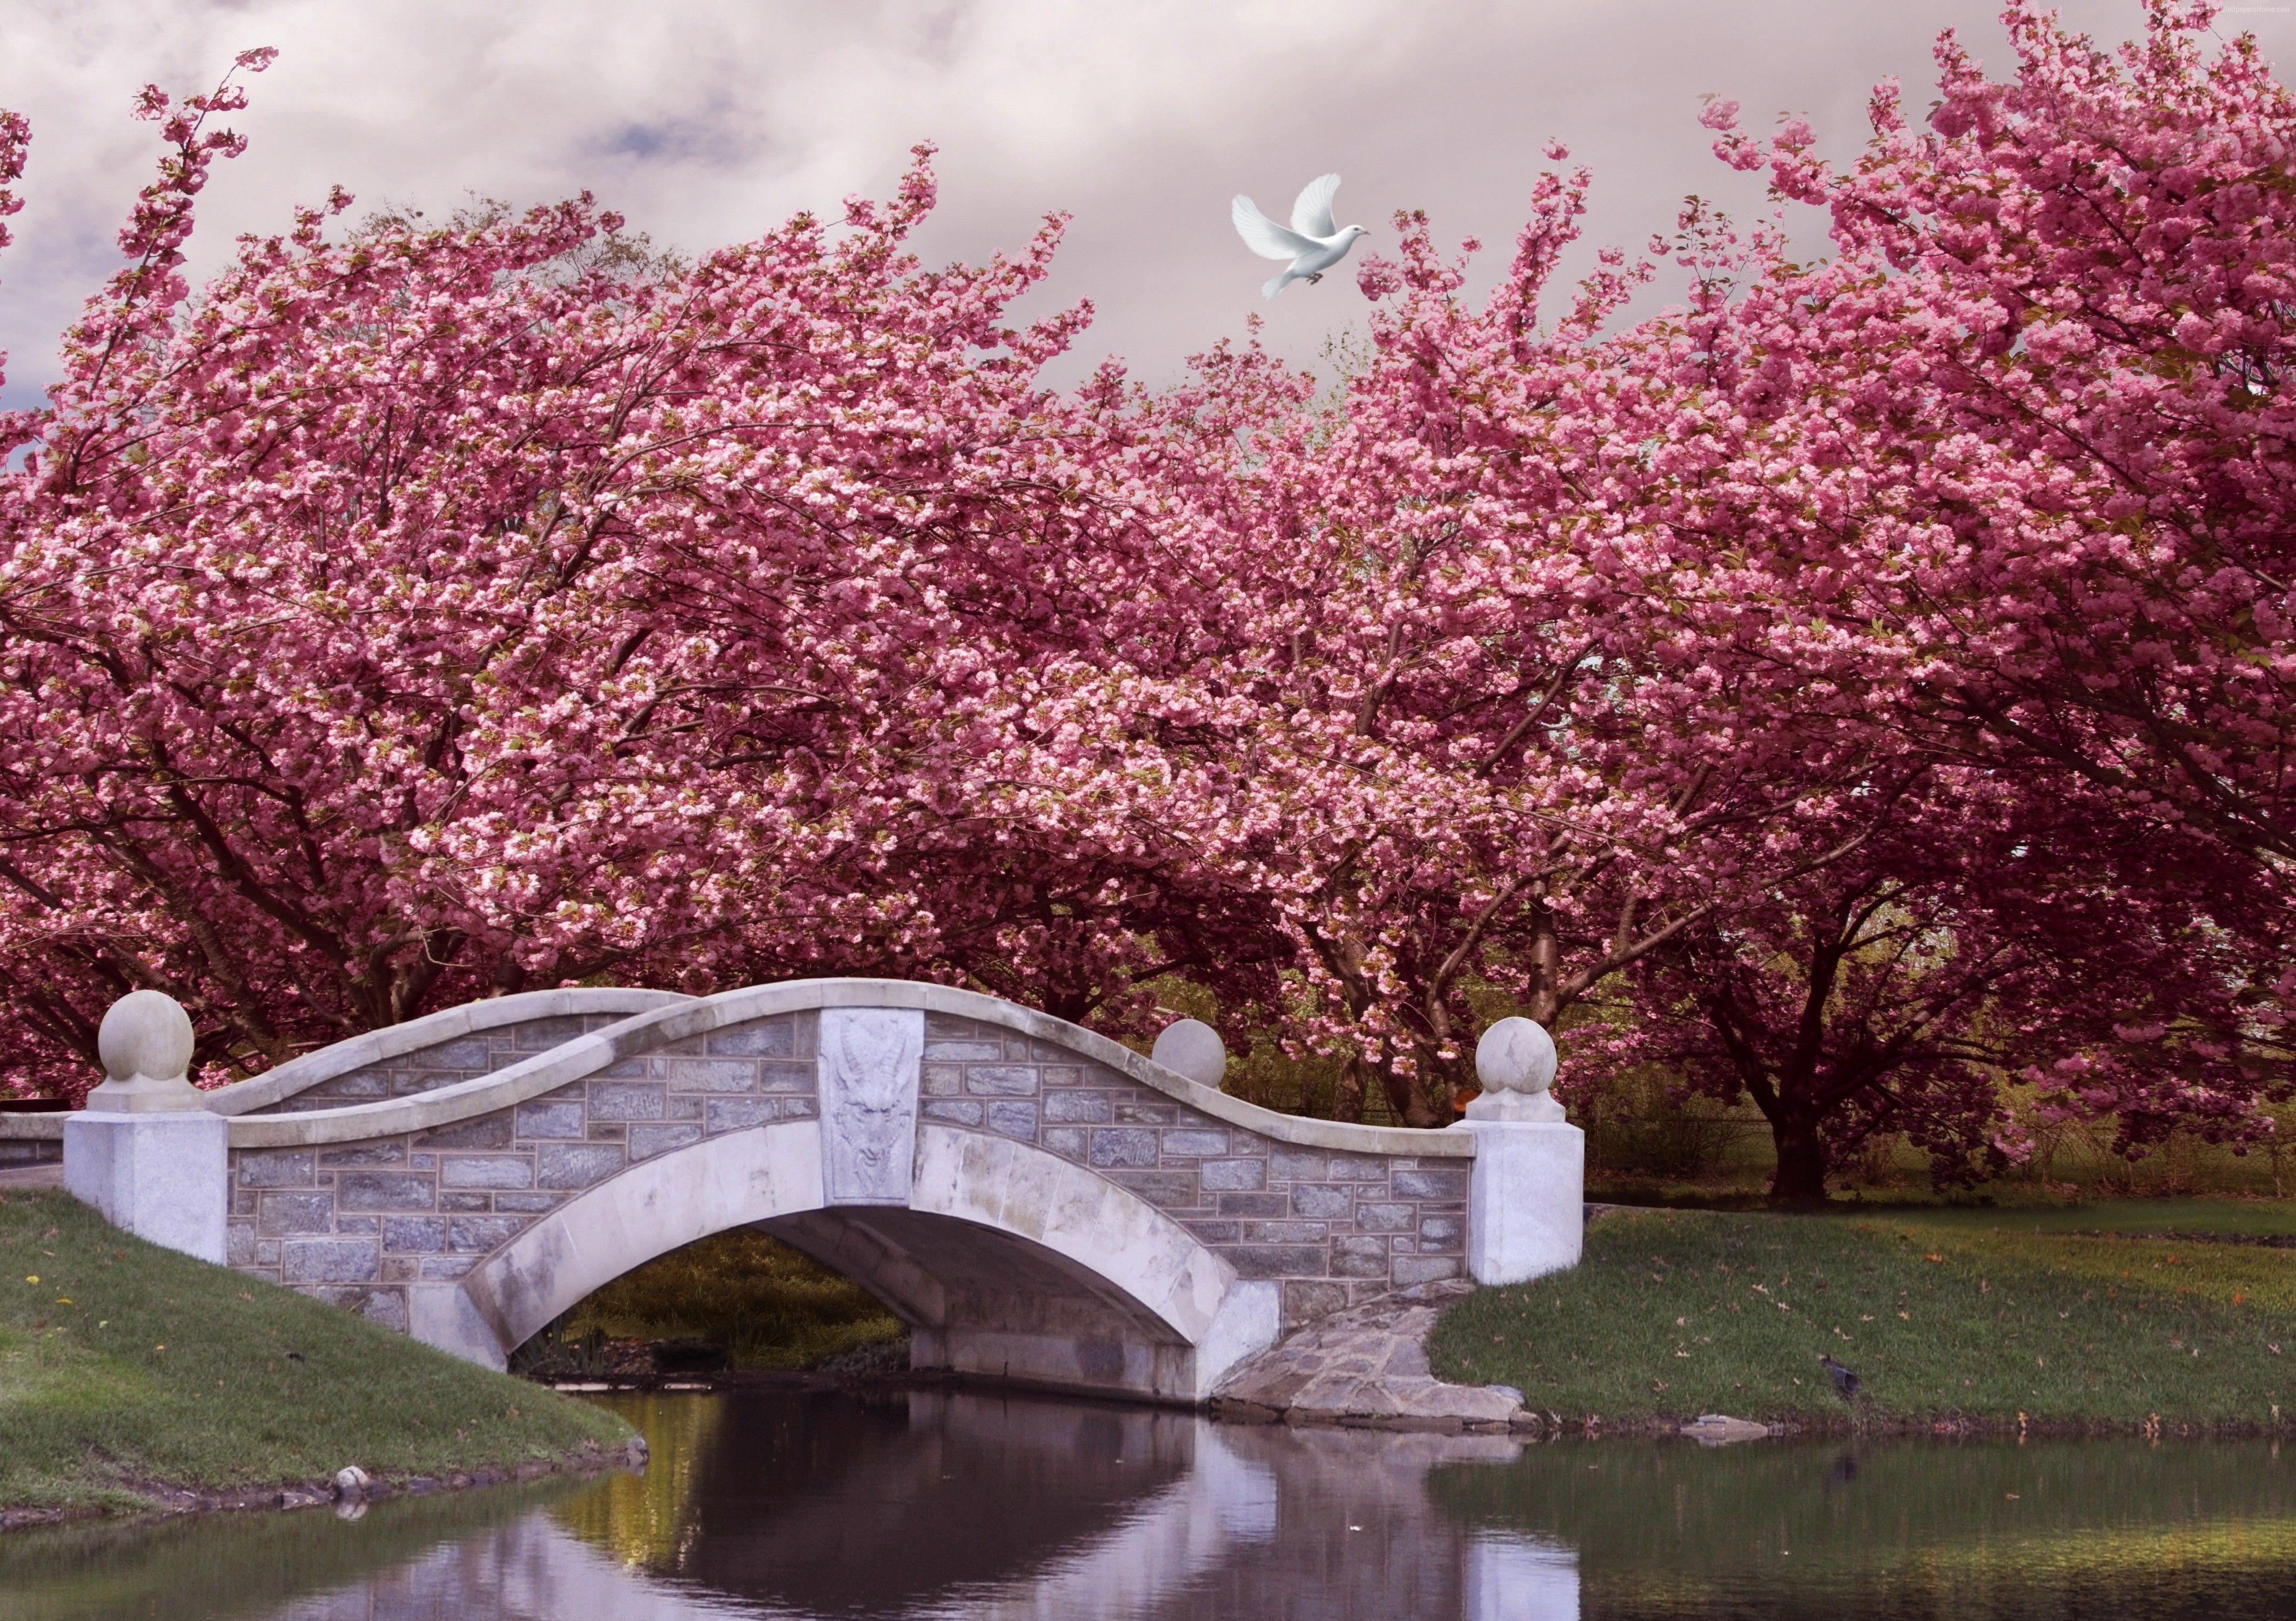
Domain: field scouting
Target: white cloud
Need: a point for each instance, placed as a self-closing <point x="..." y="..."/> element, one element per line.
<point x="705" y="120"/>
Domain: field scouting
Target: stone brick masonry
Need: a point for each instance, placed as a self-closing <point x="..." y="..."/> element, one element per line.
<point x="356" y="1223"/>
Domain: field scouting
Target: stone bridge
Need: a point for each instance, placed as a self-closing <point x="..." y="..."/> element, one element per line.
<point x="1039" y="1203"/>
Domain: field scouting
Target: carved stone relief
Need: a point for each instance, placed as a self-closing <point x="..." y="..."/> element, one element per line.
<point x="870" y="1062"/>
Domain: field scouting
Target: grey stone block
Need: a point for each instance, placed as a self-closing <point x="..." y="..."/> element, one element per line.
<point x="384" y="1190"/>
<point x="1422" y="1269"/>
<point x="1386" y="1217"/>
<point x="290" y="1212"/>
<point x="1306" y="1302"/>
<point x="445" y="1269"/>
<point x="711" y="1075"/>
<point x="239" y="1244"/>
<point x="346" y="1225"/>
<point x="550" y="1118"/>
<point x="953" y="1111"/>
<point x="958" y="1051"/>
<point x="735" y="1113"/>
<point x="1014" y="1120"/>
<point x="266" y="1252"/>
<point x="466" y="1201"/>
<point x="1135" y="1111"/>
<point x="770" y="1037"/>
<point x="1298" y="1165"/>
<point x="540" y="1035"/>
<point x="1216" y="1232"/>
<point x="415" y="1235"/>
<point x="787" y="1077"/>
<point x="1000" y="1079"/>
<point x="1430" y="1183"/>
<point x="486" y="1171"/>
<point x="1166" y="1189"/>
<point x="1190" y="1142"/>
<point x="275" y="1168"/>
<point x="687" y="1105"/>
<point x="1070" y="1142"/>
<point x="392" y="1153"/>
<point x="1275" y="1260"/>
<point x="328" y="1261"/>
<point x="1359" y="1257"/>
<point x="648" y="1141"/>
<point x="1311" y="1199"/>
<point x="1074" y="1106"/>
<point x="486" y="1131"/>
<point x="1357" y="1168"/>
<point x="940" y="1080"/>
<point x="478" y="1235"/>
<point x="1234" y="1175"/>
<point x="1254" y="1204"/>
<point x="1285" y="1232"/>
<point x="470" y="1052"/>
<point x="1121" y="1146"/>
<point x="630" y="1099"/>
<point x="529" y="1204"/>
<point x="1446" y="1230"/>
<point x="384" y="1307"/>
<point x="576" y="1166"/>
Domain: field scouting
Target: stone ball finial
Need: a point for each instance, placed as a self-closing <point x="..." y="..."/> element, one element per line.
<point x="1516" y="1055"/>
<point x="1515" y="1062"/>
<point x="1193" y="1049"/>
<point x="145" y="1042"/>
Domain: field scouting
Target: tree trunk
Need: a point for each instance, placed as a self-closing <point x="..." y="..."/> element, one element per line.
<point x="1800" y="1175"/>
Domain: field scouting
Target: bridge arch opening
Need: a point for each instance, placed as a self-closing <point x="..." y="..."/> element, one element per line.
<point x="1006" y="1261"/>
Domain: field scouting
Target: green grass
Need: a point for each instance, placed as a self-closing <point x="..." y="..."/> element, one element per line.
<point x="1673" y="1313"/>
<point x="767" y="1304"/>
<point x="124" y="1365"/>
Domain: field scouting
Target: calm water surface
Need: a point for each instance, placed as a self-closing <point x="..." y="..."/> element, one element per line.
<point x="930" y="1505"/>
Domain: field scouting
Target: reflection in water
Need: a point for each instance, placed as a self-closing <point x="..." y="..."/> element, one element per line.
<point x="930" y="1505"/>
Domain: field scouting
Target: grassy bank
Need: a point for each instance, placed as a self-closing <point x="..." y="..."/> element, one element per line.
<point x="2080" y="1317"/>
<point x="127" y="1372"/>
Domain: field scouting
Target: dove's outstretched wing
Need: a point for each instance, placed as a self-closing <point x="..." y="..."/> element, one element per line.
<point x="1263" y="235"/>
<point x="1311" y="214"/>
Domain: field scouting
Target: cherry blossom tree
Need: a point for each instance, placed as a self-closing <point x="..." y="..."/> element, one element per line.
<point x="1979" y="935"/>
<point x="441" y="609"/>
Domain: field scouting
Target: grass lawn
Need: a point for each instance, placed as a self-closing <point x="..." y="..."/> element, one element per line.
<point x="123" y="1365"/>
<point x="1971" y="1315"/>
<point x="763" y="1303"/>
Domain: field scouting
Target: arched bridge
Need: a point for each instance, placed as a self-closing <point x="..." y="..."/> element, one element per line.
<point x="1037" y="1202"/>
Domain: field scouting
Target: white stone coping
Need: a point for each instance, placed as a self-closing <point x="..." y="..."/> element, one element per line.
<point x="275" y="1086"/>
<point x="660" y="1026"/>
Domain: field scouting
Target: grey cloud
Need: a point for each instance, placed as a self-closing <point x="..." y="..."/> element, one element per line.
<point x="708" y="121"/>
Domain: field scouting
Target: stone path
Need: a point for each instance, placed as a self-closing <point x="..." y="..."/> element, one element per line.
<point x="1367" y="1368"/>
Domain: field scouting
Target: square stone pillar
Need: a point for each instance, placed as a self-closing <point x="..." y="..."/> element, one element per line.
<point x="1526" y="1198"/>
<point x="164" y="1176"/>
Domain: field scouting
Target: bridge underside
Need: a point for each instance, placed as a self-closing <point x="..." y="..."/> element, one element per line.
<point x="988" y="1303"/>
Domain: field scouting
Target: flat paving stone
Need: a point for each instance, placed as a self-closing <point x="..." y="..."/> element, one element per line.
<point x="1366" y="1366"/>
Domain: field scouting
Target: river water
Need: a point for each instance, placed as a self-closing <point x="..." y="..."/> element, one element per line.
<point x="922" y="1504"/>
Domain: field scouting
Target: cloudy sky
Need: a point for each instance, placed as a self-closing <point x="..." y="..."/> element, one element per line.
<point x="706" y="120"/>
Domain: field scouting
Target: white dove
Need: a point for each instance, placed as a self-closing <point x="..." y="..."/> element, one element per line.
<point x="1313" y="244"/>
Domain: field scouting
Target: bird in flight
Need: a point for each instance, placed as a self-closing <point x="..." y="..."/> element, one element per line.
<point x="1313" y="244"/>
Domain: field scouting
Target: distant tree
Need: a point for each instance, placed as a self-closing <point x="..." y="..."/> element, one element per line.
<point x="1975" y="940"/>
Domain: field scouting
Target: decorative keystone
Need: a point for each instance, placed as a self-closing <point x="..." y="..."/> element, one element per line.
<point x="1515" y="1062"/>
<point x="146" y="1043"/>
<point x="1193" y="1049"/>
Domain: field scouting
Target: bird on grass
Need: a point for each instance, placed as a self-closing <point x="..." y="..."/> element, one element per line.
<point x="1844" y="1379"/>
<point x="1313" y="244"/>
